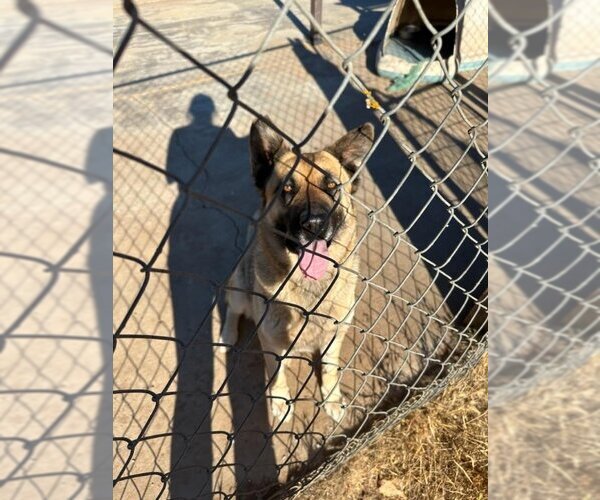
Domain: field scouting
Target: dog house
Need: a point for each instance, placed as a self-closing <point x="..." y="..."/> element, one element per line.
<point x="565" y="42"/>
<point x="407" y="45"/>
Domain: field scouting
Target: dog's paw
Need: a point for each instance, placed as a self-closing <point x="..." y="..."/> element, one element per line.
<point x="282" y="409"/>
<point x="227" y="340"/>
<point x="229" y="333"/>
<point x="224" y="346"/>
<point x="335" y="408"/>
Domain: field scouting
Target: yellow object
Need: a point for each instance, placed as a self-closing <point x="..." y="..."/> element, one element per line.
<point x="370" y="100"/>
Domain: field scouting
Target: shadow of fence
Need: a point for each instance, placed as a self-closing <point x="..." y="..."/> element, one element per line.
<point x="191" y="421"/>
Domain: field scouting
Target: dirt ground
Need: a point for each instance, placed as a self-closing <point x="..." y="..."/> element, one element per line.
<point x="544" y="444"/>
<point x="187" y="417"/>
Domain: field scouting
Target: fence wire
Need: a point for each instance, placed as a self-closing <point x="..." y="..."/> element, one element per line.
<point x="544" y="258"/>
<point x="543" y="351"/>
<point x="55" y="255"/>
<point x="193" y="422"/>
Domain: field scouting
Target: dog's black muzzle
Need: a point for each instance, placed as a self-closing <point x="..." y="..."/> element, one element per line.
<point x="308" y="224"/>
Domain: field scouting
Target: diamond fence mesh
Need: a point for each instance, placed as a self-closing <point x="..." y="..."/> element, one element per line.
<point x="543" y="350"/>
<point x="55" y="254"/>
<point x="544" y="203"/>
<point x="191" y="414"/>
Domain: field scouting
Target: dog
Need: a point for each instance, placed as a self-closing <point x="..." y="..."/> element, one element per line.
<point x="297" y="281"/>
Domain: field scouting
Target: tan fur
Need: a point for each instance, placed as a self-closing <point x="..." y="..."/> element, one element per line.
<point x="266" y="270"/>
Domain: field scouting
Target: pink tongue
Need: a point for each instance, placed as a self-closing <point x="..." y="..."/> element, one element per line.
<point x="314" y="266"/>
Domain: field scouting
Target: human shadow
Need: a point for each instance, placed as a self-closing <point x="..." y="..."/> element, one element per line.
<point x="205" y="243"/>
<point x="57" y="314"/>
<point x="98" y="168"/>
<point x="95" y="329"/>
<point x="421" y="214"/>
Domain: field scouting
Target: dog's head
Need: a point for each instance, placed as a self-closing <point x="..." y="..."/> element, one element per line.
<point x="307" y="196"/>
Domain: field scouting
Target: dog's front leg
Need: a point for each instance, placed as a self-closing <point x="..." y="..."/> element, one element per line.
<point x="330" y="376"/>
<point x="281" y="401"/>
<point x="235" y="302"/>
<point x="229" y="332"/>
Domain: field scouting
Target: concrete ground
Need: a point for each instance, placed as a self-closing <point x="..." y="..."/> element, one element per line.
<point x="55" y="255"/>
<point x="555" y="301"/>
<point x="183" y="409"/>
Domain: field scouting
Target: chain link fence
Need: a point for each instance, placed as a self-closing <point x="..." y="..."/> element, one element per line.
<point x="543" y="81"/>
<point x="192" y="421"/>
<point x="55" y="254"/>
<point x="543" y="351"/>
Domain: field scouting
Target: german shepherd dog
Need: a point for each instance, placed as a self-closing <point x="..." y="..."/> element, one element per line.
<point x="300" y="268"/>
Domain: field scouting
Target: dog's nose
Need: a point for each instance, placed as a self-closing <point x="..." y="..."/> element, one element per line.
<point x="314" y="223"/>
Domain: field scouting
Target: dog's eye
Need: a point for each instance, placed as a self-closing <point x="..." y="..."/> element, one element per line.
<point x="288" y="188"/>
<point x="331" y="185"/>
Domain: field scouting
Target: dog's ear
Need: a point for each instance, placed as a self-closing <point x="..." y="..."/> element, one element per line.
<point x="265" y="146"/>
<point x="352" y="148"/>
